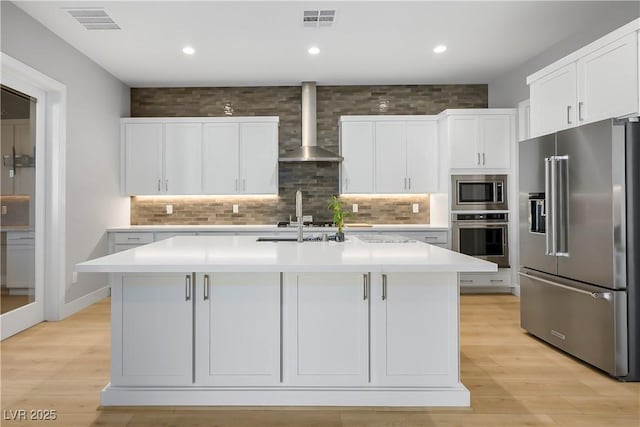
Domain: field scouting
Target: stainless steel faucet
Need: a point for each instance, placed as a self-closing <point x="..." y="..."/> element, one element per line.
<point x="299" y="214"/>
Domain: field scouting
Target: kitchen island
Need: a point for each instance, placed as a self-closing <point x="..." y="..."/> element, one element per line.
<point x="229" y="320"/>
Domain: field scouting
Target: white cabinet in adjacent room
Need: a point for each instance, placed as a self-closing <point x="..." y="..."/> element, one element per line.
<point x="356" y="142"/>
<point x="414" y="338"/>
<point x="238" y="329"/>
<point x="327" y="335"/>
<point x="156" y="344"/>
<point x="481" y="141"/>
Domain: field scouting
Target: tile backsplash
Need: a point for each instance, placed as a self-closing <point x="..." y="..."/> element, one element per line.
<point x="318" y="181"/>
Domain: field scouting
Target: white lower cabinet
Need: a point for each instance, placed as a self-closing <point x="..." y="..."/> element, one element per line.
<point x="152" y="330"/>
<point x="238" y="329"/>
<point x="414" y="337"/>
<point x="326" y="329"/>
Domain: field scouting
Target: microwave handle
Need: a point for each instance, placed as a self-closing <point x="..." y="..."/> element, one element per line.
<point x="499" y="192"/>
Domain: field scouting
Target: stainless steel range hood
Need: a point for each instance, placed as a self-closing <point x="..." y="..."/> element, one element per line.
<point x="309" y="151"/>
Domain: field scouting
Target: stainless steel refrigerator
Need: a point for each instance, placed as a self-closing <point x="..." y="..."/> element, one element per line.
<point x="579" y="203"/>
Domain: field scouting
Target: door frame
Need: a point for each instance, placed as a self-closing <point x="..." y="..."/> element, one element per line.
<point x="50" y="185"/>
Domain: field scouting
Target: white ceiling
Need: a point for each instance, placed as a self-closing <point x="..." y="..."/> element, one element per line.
<point x="264" y="43"/>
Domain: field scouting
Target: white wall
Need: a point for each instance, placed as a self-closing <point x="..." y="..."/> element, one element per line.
<point x="95" y="102"/>
<point x="510" y="88"/>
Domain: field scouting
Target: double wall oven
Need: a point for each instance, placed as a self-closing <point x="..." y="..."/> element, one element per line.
<point x="479" y="217"/>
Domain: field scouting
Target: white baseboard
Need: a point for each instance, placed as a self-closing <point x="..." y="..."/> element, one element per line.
<point x="457" y="395"/>
<point x="84" y="301"/>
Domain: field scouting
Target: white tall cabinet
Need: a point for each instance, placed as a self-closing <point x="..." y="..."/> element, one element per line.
<point x="197" y="155"/>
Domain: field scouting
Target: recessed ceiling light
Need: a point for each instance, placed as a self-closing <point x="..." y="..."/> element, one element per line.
<point x="313" y="50"/>
<point x="188" y="50"/>
<point x="440" y="48"/>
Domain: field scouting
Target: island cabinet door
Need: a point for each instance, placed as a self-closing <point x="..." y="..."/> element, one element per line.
<point x="326" y="329"/>
<point x="414" y="329"/>
<point x="238" y="329"/>
<point x="152" y="330"/>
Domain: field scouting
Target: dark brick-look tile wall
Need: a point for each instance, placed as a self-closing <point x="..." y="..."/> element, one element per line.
<point x="318" y="181"/>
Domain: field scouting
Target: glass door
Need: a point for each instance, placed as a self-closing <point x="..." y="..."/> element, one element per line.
<point x="21" y="207"/>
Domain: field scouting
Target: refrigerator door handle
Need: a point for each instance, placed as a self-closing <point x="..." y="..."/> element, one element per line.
<point x="596" y="295"/>
<point x="549" y="190"/>
<point x="562" y="205"/>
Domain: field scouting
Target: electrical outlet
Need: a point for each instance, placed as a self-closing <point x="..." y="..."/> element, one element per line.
<point x="236" y="209"/>
<point x="169" y="209"/>
<point x="74" y="277"/>
<point x="4" y="209"/>
<point x="354" y="208"/>
<point x="415" y="208"/>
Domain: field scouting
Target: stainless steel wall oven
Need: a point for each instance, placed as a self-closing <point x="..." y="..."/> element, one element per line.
<point x="482" y="235"/>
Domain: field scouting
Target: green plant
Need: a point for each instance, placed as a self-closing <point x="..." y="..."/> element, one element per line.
<point x="339" y="214"/>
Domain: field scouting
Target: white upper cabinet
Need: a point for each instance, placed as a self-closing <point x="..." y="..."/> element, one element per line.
<point x="608" y="81"/>
<point x="182" y="168"/>
<point x="481" y="141"/>
<point x="200" y="156"/>
<point x="356" y="140"/>
<point x="391" y="157"/>
<point x="143" y="158"/>
<point x="220" y="158"/>
<point x="389" y="154"/>
<point x="596" y="82"/>
<point x="553" y="101"/>
<point x="259" y="158"/>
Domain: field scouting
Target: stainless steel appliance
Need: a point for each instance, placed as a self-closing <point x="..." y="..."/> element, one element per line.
<point x="579" y="200"/>
<point x="482" y="235"/>
<point x="479" y="192"/>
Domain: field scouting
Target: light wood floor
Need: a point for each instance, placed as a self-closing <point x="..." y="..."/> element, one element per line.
<point x="514" y="379"/>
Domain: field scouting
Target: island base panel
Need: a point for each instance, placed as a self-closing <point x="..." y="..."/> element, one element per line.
<point x="244" y="396"/>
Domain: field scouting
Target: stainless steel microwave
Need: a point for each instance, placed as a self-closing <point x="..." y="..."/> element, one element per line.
<point x="479" y="192"/>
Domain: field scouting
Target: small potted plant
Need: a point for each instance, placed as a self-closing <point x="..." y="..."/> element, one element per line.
<point x="339" y="214"/>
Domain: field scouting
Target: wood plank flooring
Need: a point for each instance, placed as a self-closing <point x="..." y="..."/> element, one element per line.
<point x="514" y="379"/>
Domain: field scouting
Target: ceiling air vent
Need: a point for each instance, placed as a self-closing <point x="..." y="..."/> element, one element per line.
<point x="94" y="19"/>
<point x="318" y="18"/>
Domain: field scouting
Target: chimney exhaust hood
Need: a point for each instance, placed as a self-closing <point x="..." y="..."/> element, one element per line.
<point x="309" y="151"/>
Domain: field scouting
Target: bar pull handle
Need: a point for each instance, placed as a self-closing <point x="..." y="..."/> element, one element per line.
<point x="158" y="185"/>
<point x="206" y="287"/>
<point x="478" y="159"/>
<point x="365" y="284"/>
<point x="409" y="183"/>
<point x="384" y="287"/>
<point x="569" y="114"/>
<point x="133" y="238"/>
<point x="166" y="185"/>
<point x="580" y="105"/>
<point x="405" y="182"/>
<point x="562" y="205"/>
<point x="549" y="206"/>
<point x="597" y="295"/>
<point x="187" y="287"/>
<point x="483" y="160"/>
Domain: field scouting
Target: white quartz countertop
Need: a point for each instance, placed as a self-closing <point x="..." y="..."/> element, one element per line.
<point x="271" y="227"/>
<point x="245" y="254"/>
